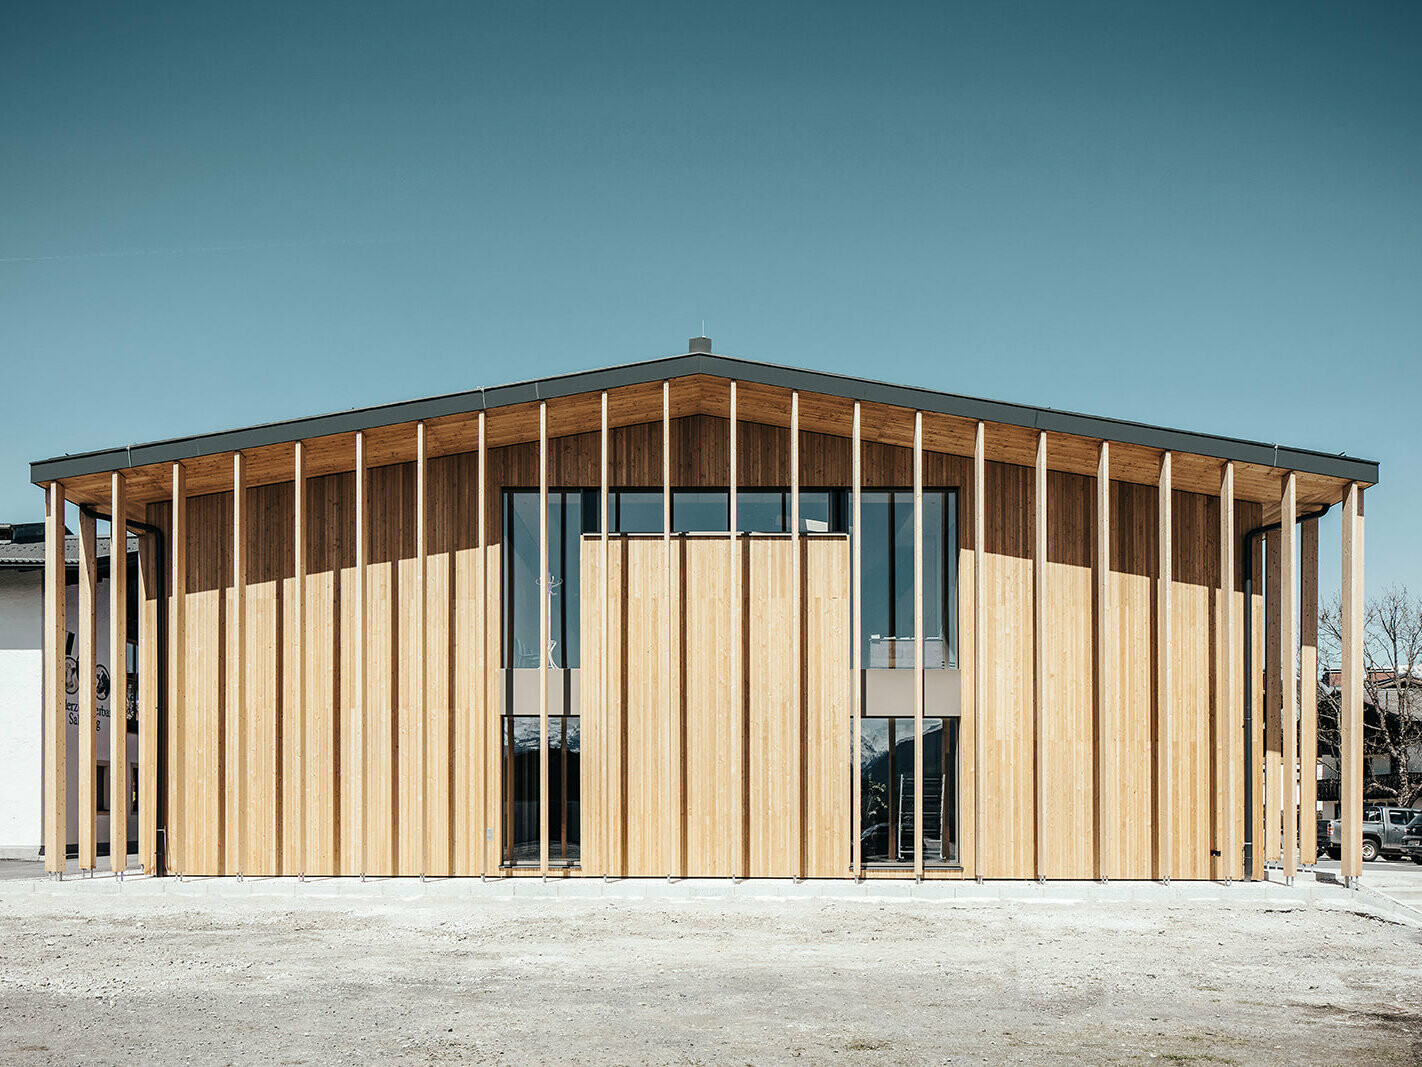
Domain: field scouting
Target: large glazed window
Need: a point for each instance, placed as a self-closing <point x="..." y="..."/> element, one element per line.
<point x="521" y="790"/>
<point x="887" y="601"/>
<point x="886" y="782"/>
<point x="521" y="585"/>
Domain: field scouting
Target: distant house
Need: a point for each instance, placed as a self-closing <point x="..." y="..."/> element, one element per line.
<point x="22" y="687"/>
<point x="1380" y="769"/>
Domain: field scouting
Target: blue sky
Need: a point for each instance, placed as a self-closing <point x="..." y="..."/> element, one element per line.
<point x="1204" y="216"/>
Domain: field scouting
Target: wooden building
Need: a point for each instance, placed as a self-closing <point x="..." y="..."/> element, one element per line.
<point x="703" y="617"/>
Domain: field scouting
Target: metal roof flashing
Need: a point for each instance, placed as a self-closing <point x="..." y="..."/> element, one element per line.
<point x="694" y="363"/>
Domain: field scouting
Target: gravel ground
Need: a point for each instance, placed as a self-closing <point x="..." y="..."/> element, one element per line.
<point x="99" y="978"/>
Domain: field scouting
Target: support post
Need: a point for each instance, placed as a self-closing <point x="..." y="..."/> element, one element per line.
<point x="422" y="582"/>
<point x="237" y="673"/>
<point x="1165" y="683"/>
<point x="88" y="659"/>
<point x="175" y="845"/>
<point x="1039" y="657"/>
<point x="1288" y="529"/>
<point x="918" y="644"/>
<point x="56" y="792"/>
<point x="361" y="740"/>
<point x="605" y="810"/>
<point x="979" y="646"/>
<point x="1227" y="721"/>
<point x="856" y="677"/>
<point x="797" y="745"/>
<point x="543" y="638"/>
<point x="299" y="794"/>
<point x="672" y="809"/>
<point x="118" y="674"/>
<point x="1106" y="866"/>
<point x="1273" y="699"/>
<point x="1351" y="697"/>
<point x="149" y="571"/>
<point x="739" y="771"/>
<point x="1308" y="693"/>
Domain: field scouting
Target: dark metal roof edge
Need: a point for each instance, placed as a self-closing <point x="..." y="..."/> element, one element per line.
<point x="770" y="374"/>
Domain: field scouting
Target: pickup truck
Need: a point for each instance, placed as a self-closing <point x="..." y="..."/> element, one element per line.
<point x="1385" y="830"/>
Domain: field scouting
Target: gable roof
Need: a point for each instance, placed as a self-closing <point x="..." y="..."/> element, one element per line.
<point x="655" y="370"/>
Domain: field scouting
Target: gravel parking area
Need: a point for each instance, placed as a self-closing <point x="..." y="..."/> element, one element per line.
<point x="100" y="977"/>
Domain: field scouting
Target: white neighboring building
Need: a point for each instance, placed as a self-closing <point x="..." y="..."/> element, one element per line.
<point x="22" y="689"/>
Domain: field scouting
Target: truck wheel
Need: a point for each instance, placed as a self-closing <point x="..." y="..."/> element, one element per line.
<point x="1370" y="850"/>
<point x="1417" y="859"/>
<point x="1335" y="853"/>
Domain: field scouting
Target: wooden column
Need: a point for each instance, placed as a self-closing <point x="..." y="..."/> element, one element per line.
<point x="175" y="846"/>
<point x="979" y="646"/>
<point x="56" y="713"/>
<point x="1288" y="541"/>
<point x="740" y="774"/>
<point x="1254" y="814"/>
<point x="856" y="665"/>
<point x="1106" y="862"/>
<point x="361" y="664"/>
<point x="237" y="673"/>
<point x="149" y="569"/>
<point x="87" y="655"/>
<point x="604" y="833"/>
<point x="797" y="743"/>
<point x="118" y="674"/>
<point x="296" y="798"/>
<point x="1272" y="844"/>
<point x="918" y="644"/>
<point x="1165" y="688"/>
<point x="422" y="582"/>
<point x="1308" y="693"/>
<point x="672" y="810"/>
<point x="543" y="637"/>
<point x="1227" y="719"/>
<point x="1039" y="656"/>
<point x="1351" y="696"/>
<point x="485" y="719"/>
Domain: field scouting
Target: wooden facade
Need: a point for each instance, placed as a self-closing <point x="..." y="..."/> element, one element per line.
<point x="337" y="681"/>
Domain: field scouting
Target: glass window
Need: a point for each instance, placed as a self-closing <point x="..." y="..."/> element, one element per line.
<point x="521" y="743"/>
<point x="101" y="787"/>
<point x="760" y="511"/>
<point x="567" y="516"/>
<point x="886" y="782"/>
<point x="1398" y="818"/>
<point x="887" y="596"/>
<point x="637" y="511"/>
<point x="817" y="511"/>
<point x="701" y="511"/>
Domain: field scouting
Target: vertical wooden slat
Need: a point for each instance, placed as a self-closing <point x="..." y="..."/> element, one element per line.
<point x="1165" y="690"/>
<point x="979" y="644"/>
<point x="1227" y="719"/>
<point x="118" y="674"/>
<point x="237" y="672"/>
<point x="422" y="582"/>
<point x="1273" y="699"/>
<point x="56" y="817"/>
<point x="797" y="739"/>
<point x="1308" y="693"/>
<point x="1106" y="850"/>
<point x="1351" y="698"/>
<point x="674" y="808"/>
<point x="1039" y="655"/>
<point x="1289" y="584"/>
<point x="543" y="637"/>
<point x="296" y="798"/>
<point x="148" y="581"/>
<point x="604" y="829"/>
<point x="485" y="719"/>
<point x="360" y="655"/>
<point x="739" y="770"/>
<point x="175" y="846"/>
<point x="87" y="654"/>
<point x="918" y="644"/>
<point x="856" y="656"/>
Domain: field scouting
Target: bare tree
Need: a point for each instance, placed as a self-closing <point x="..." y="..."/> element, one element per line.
<point x="1392" y="691"/>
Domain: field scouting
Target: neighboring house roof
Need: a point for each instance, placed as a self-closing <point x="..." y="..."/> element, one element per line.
<point x="703" y="362"/>
<point x="30" y="554"/>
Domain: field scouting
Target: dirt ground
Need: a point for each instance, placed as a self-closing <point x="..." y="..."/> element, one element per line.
<point x="99" y="978"/>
